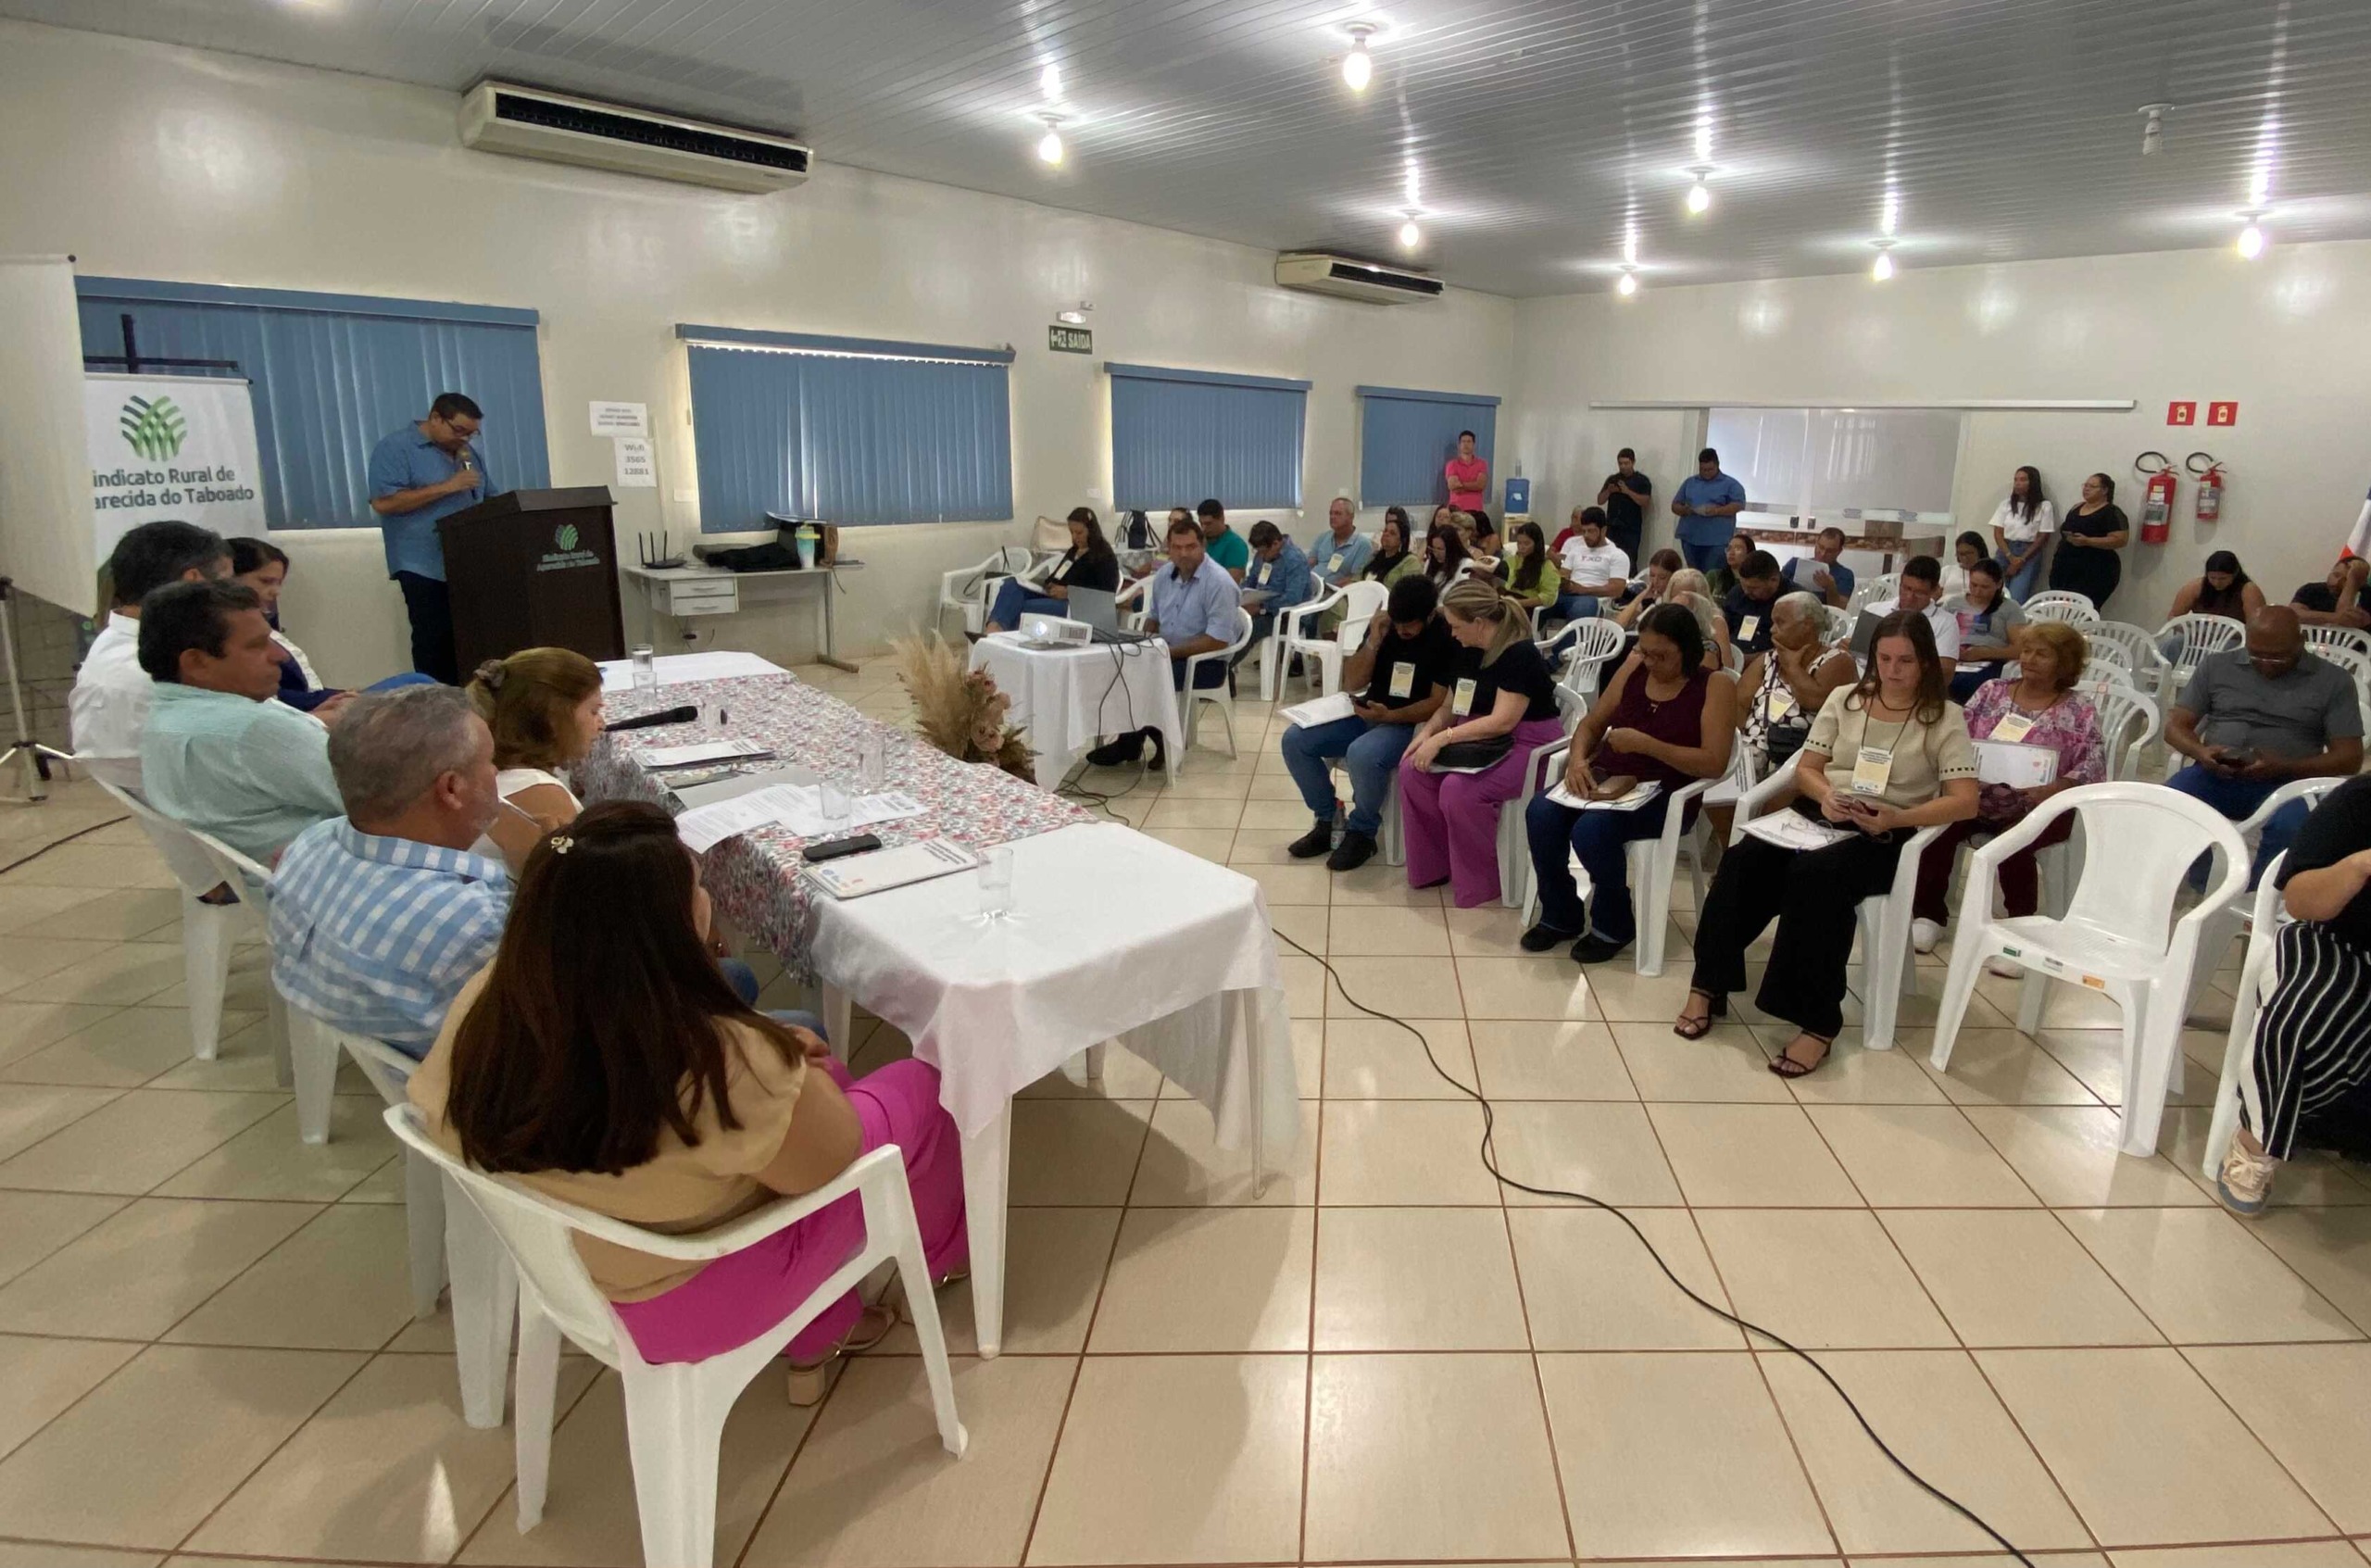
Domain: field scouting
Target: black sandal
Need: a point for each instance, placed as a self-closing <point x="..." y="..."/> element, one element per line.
<point x="1787" y="1066"/>
<point x="1715" y="1008"/>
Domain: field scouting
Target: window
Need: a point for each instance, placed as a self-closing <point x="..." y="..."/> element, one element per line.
<point x="1181" y="436"/>
<point x="848" y="430"/>
<point x="332" y="373"/>
<point x="1406" y="437"/>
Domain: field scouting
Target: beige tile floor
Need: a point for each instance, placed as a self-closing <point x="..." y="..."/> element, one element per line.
<point x="206" y="1349"/>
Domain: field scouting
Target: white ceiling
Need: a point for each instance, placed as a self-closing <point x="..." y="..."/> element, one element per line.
<point x="1540" y="130"/>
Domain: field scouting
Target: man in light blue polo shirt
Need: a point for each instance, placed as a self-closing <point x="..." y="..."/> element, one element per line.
<point x="1194" y="602"/>
<point x="1340" y="553"/>
<point x="1705" y="504"/>
<point x="421" y="473"/>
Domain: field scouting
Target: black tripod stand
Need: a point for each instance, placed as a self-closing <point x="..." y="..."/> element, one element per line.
<point x="27" y="752"/>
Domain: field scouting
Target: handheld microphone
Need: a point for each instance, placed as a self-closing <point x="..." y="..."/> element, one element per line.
<point x="683" y="715"/>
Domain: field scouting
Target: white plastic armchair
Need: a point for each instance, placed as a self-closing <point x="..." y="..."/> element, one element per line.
<point x="1594" y="645"/>
<point x="2259" y="972"/>
<point x="2116" y="937"/>
<point x="1195" y="698"/>
<point x="2122" y="712"/>
<point x="1874" y="591"/>
<point x="2060" y="604"/>
<point x="2136" y="647"/>
<point x="1885" y="920"/>
<point x="1296" y="634"/>
<point x="208" y="931"/>
<point x="2228" y="922"/>
<point x="676" y="1411"/>
<point x="970" y="590"/>
<point x="2196" y="637"/>
<point x="2323" y="637"/>
<point x="302" y="1060"/>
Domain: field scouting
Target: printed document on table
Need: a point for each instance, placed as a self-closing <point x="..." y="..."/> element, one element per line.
<point x="883" y="868"/>
<point x="799" y="808"/>
<point x="677" y="669"/>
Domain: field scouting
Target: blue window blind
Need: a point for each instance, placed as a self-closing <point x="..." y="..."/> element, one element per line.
<point x="1406" y="437"/>
<point x="848" y="430"/>
<point x="1181" y="436"/>
<point x="332" y="373"/>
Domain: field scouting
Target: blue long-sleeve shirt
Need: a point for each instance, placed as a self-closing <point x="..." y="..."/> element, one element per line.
<point x="1286" y="580"/>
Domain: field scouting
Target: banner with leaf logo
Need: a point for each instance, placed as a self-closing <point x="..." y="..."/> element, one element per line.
<point x="171" y="447"/>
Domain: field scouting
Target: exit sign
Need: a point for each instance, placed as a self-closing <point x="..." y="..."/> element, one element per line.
<point x="1069" y="340"/>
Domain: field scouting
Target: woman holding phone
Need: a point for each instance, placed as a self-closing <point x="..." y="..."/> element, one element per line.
<point x="1885" y="758"/>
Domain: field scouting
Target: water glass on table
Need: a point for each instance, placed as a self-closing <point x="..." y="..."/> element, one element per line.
<point x="833" y="799"/>
<point x="871" y="763"/>
<point x="646" y="667"/>
<point x="996" y="883"/>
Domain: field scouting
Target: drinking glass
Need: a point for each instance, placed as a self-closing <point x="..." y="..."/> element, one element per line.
<point x="871" y="763"/>
<point x="836" y="806"/>
<point x="646" y="668"/>
<point x="996" y="883"/>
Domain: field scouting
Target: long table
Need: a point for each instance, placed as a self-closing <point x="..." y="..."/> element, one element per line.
<point x="1115" y="938"/>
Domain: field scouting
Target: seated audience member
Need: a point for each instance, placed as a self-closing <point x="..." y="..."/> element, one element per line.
<point x="1278" y="580"/>
<point x="1531" y="572"/>
<point x="1920" y="593"/>
<point x="1595" y="571"/>
<point x="2090" y="537"/>
<point x="219" y="754"/>
<point x="1885" y="758"/>
<point x="2223" y="588"/>
<point x="544" y="708"/>
<point x="1665" y="719"/>
<point x="600" y="1059"/>
<point x="1340" y="553"/>
<point x="1820" y="571"/>
<point x="1988" y="619"/>
<point x="1487" y="544"/>
<point x="108" y="709"/>
<point x="1392" y="559"/>
<point x="1722" y="578"/>
<point x="379" y="916"/>
<point x="1644" y="594"/>
<point x="1688" y="587"/>
<point x="263" y="566"/>
<point x="1223" y="544"/>
<point x="1780" y="690"/>
<point x="1402" y="671"/>
<point x="1089" y="563"/>
<point x="1193" y="605"/>
<point x="1502" y="698"/>
<point x="2313" y="1040"/>
<point x="2338" y="599"/>
<point x="1445" y="548"/>
<point x="2039" y="708"/>
<point x="2252" y="718"/>
<point x="1746" y="608"/>
<point x="1966" y="550"/>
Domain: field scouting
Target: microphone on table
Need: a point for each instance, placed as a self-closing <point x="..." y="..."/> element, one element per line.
<point x="683" y="715"/>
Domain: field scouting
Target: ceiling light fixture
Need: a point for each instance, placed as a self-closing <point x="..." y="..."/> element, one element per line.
<point x="1358" y="66"/>
<point x="2251" y="240"/>
<point x="1630" y="284"/>
<point x="1884" y="268"/>
<point x="2152" y="127"/>
<point x="1049" y="149"/>
<point x="1411" y="236"/>
<point x="1891" y="215"/>
<point x="1049" y="81"/>
<point x="1700" y="195"/>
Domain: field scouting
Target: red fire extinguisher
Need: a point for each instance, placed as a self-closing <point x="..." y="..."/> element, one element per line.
<point x="2208" y="506"/>
<point x="2157" y="509"/>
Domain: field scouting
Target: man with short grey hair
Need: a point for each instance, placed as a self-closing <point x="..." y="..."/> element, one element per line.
<point x="379" y="916"/>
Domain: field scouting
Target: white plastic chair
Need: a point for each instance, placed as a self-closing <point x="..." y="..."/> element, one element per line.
<point x="2228" y="923"/>
<point x="2121" y="711"/>
<point x="208" y="931"/>
<point x="1886" y="964"/>
<point x="1652" y="863"/>
<point x="1296" y="634"/>
<point x="676" y="1411"/>
<point x="2259" y="972"/>
<point x="970" y="590"/>
<point x="2060" y="604"/>
<point x="2198" y="635"/>
<point x="1874" y="591"/>
<point x="1219" y="696"/>
<point x="1595" y="644"/>
<point x="2101" y="654"/>
<point x="2137" y="647"/>
<point x="1514" y="843"/>
<point x="2140" y="840"/>
<point x="2322" y="638"/>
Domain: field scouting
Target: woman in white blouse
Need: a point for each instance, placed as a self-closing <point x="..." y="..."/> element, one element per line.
<point x="544" y="705"/>
<point x="2022" y="525"/>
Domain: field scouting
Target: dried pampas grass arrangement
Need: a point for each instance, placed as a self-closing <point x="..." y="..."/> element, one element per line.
<point x="960" y="713"/>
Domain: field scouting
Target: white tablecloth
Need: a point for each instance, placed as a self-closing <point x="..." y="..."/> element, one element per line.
<point x="1116" y="936"/>
<point x="1068" y="696"/>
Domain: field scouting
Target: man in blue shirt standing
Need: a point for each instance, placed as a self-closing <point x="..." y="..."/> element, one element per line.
<point x="1704" y="504"/>
<point x="1194" y="603"/>
<point x="421" y="473"/>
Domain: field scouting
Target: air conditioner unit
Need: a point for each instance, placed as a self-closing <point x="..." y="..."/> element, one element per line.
<point x="500" y="116"/>
<point x="1348" y="279"/>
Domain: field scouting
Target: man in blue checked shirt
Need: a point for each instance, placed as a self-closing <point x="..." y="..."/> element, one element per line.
<point x="379" y="916"/>
<point x="1194" y="603"/>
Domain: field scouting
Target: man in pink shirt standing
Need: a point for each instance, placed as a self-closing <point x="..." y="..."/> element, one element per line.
<point x="1469" y="476"/>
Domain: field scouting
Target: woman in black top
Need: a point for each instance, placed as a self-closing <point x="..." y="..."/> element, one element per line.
<point x="2312" y="1039"/>
<point x="1445" y="548"/>
<point x="1390" y="545"/>
<point x="2223" y="588"/>
<point x="2088" y="537"/>
<point x="1089" y="563"/>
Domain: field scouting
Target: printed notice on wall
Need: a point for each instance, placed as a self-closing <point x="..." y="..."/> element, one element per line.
<point x="636" y="469"/>
<point x="620" y="419"/>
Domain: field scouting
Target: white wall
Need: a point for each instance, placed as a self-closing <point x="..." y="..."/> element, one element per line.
<point x="2288" y="336"/>
<point x="152" y="162"/>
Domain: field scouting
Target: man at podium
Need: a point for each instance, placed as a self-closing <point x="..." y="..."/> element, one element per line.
<point x="422" y="471"/>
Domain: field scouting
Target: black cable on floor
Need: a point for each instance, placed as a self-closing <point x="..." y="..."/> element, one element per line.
<point x="27" y="860"/>
<point x="1490" y="1164"/>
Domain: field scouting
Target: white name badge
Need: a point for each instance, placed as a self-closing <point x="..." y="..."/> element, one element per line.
<point x="1403" y="680"/>
<point x="2013" y="727"/>
<point x="1873" y="771"/>
<point x="1334" y="561"/>
<point x="1747" y="627"/>
<point x="1061" y="569"/>
<point x="1460" y="702"/>
<point x="1265" y="567"/>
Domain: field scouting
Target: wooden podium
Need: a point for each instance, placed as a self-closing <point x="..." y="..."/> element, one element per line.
<point x="532" y="569"/>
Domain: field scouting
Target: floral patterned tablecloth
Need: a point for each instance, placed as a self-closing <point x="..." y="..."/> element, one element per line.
<point x="754" y="877"/>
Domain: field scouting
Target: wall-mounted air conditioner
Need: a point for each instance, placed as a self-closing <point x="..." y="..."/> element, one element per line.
<point x="1347" y="278"/>
<point x="500" y="116"/>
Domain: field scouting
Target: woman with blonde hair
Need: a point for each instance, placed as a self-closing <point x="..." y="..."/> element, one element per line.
<point x="1470" y="757"/>
<point x="1693" y="588"/>
<point x="544" y="705"/>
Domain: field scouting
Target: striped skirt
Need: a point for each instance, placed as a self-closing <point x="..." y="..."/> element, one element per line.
<point x="2314" y="1037"/>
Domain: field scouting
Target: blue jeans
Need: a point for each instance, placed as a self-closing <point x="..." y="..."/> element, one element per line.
<point x="2025" y="582"/>
<point x="1964" y="682"/>
<point x="2236" y="798"/>
<point x="1601" y="840"/>
<point x="1014" y="600"/>
<point x="1371" y="752"/>
<point x="1706" y="558"/>
<point x="1575" y="606"/>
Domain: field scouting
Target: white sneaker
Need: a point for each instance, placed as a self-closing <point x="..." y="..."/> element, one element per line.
<point x="1924" y="934"/>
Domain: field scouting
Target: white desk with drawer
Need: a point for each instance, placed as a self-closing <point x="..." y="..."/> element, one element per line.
<point x="681" y="592"/>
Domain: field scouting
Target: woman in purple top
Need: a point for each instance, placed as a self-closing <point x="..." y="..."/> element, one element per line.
<point x="1666" y="720"/>
<point x="2039" y="708"/>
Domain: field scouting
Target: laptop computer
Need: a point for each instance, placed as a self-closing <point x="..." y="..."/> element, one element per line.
<point x="1099" y="607"/>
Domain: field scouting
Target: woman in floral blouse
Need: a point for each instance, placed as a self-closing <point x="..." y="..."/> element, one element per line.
<point x="2039" y="708"/>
